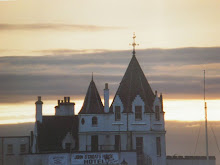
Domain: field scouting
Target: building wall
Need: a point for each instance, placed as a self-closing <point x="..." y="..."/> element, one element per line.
<point x="13" y="155"/>
<point x="106" y="129"/>
<point x="190" y="160"/>
<point x="67" y="159"/>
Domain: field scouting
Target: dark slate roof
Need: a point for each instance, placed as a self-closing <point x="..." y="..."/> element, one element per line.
<point x="92" y="103"/>
<point x="52" y="131"/>
<point x="132" y="84"/>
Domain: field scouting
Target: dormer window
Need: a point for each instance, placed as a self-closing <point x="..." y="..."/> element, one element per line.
<point x="157" y="113"/>
<point x="94" y="121"/>
<point x="138" y="112"/>
<point x="117" y="113"/>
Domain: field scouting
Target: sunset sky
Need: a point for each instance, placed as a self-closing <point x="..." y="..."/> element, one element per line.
<point x="51" y="47"/>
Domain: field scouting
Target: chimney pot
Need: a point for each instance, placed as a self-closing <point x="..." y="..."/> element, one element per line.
<point x="39" y="98"/>
<point x="156" y="93"/>
<point x="68" y="99"/>
<point x="64" y="99"/>
<point x="106" y="85"/>
<point x="58" y="102"/>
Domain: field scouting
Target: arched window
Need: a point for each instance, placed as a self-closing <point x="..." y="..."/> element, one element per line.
<point x="94" y="121"/>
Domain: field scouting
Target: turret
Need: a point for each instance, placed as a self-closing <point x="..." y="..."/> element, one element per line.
<point x="106" y="98"/>
<point x="39" y="104"/>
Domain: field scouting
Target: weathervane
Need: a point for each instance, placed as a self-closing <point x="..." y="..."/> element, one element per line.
<point x="134" y="44"/>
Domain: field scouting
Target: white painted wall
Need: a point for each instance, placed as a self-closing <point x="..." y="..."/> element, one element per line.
<point x="44" y="159"/>
<point x="107" y="128"/>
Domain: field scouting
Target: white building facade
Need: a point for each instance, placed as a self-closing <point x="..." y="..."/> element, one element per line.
<point x="134" y="121"/>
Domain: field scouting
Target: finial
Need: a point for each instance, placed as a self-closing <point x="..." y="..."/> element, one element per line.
<point x="134" y="44"/>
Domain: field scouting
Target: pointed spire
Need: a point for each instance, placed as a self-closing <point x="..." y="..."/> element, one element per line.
<point x="92" y="102"/>
<point x="132" y="84"/>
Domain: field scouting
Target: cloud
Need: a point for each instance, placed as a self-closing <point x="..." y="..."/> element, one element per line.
<point x="178" y="73"/>
<point x="53" y="26"/>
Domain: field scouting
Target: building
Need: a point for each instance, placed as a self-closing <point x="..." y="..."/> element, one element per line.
<point x="57" y="133"/>
<point x="130" y="131"/>
<point x="193" y="160"/>
<point x="13" y="149"/>
<point x="136" y="116"/>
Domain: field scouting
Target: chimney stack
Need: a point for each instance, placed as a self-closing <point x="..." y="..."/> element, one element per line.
<point x="106" y="98"/>
<point x="39" y="104"/>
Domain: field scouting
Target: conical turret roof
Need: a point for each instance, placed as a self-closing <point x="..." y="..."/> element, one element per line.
<point x="132" y="84"/>
<point x="92" y="103"/>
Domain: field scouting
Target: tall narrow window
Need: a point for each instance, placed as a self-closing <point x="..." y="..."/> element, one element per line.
<point x="94" y="143"/>
<point x="10" y="149"/>
<point x="94" y="121"/>
<point x="158" y="145"/>
<point x="22" y="148"/>
<point x="117" y="142"/>
<point x="139" y="149"/>
<point x="117" y="113"/>
<point x="138" y="113"/>
<point x="157" y="112"/>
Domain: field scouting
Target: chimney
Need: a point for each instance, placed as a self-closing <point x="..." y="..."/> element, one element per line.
<point x="64" y="99"/>
<point x="161" y="101"/>
<point x="68" y="98"/>
<point x="106" y="98"/>
<point x="39" y="104"/>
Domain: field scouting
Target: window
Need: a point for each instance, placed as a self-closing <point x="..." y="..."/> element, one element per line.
<point x="139" y="149"/>
<point x="117" y="142"/>
<point x="67" y="146"/>
<point x="22" y="148"/>
<point x="83" y="121"/>
<point x="94" y="121"/>
<point x="158" y="145"/>
<point x="10" y="149"/>
<point x="117" y="113"/>
<point x="94" y="143"/>
<point x="138" y="113"/>
<point x="157" y="112"/>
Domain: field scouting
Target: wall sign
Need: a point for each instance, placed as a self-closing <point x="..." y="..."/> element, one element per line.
<point x="58" y="160"/>
<point x="94" y="158"/>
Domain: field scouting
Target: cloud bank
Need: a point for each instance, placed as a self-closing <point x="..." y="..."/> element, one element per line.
<point x="53" y="26"/>
<point x="177" y="73"/>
